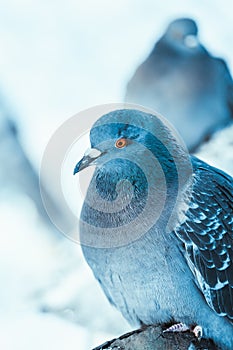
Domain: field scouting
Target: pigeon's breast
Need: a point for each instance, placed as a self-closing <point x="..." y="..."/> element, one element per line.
<point x="147" y="280"/>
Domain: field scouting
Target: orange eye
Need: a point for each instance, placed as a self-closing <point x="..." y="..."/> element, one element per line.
<point x="121" y="143"/>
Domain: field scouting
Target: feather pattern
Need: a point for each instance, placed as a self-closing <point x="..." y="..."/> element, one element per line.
<point x="207" y="233"/>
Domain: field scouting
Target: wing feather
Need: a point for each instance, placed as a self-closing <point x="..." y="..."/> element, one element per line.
<point x="208" y="236"/>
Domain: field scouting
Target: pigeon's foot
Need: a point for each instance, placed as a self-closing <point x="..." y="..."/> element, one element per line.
<point x="182" y="327"/>
<point x="198" y="332"/>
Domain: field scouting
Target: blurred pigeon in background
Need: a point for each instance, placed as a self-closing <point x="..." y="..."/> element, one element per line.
<point x="17" y="174"/>
<point x="183" y="82"/>
<point x="172" y="267"/>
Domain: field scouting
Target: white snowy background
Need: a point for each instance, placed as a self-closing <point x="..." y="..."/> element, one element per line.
<point x="57" y="58"/>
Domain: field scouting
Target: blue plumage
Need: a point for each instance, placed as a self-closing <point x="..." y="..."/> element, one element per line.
<point x="157" y="226"/>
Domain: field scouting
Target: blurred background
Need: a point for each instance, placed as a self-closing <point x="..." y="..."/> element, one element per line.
<point x="57" y="58"/>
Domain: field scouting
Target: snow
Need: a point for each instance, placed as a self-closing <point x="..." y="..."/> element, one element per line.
<point x="58" y="58"/>
<point x="38" y="331"/>
<point x="219" y="150"/>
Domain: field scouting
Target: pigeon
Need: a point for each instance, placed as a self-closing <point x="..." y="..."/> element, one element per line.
<point x="156" y="226"/>
<point x="17" y="174"/>
<point x="181" y="80"/>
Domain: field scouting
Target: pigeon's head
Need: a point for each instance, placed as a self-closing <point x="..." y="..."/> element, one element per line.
<point x="183" y="34"/>
<point x="141" y="165"/>
<point x="130" y="134"/>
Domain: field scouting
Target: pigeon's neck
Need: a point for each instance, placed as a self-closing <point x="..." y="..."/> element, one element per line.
<point x="120" y="176"/>
<point x="117" y="194"/>
<point x="120" y="191"/>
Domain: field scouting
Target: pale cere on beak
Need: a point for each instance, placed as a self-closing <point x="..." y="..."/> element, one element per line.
<point x="92" y="153"/>
<point x="191" y="41"/>
<point x="89" y="156"/>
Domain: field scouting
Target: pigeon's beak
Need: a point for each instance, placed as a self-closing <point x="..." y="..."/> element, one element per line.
<point x="89" y="157"/>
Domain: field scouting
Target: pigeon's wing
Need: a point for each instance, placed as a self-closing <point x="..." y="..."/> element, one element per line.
<point x="208" y="236"/>
<point x="147" y="73"/>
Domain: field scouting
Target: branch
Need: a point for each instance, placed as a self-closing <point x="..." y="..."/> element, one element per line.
<point x="153" y="338"/>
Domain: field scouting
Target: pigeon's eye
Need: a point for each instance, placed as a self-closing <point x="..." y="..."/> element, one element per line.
<point x="121" y="143"/>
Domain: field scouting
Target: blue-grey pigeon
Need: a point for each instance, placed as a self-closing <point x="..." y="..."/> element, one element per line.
<point x="17" y="174"/>
<point x="183" y="82"/>
<point x="156" y="226"/>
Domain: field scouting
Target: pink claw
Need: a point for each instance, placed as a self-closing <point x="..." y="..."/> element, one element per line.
<point x="198" y="332"/>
